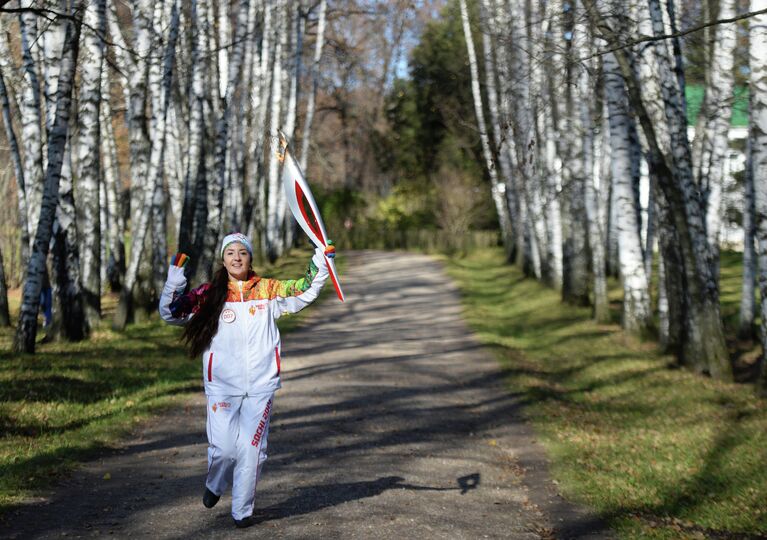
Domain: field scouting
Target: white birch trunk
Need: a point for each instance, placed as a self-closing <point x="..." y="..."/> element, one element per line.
<point x="551" y="163"/>
<point x="703" y="347"/>
<point x="554" y="211"/>
<point x="26" y="329"/>
<point x="537" y="184"/>
<point x="498" y="188"/>
<point x="215" y="76"/>
<point x="586" y="90"/>
<point x="637" y="316"/>
<point x="664" y="319"/>
<point x="523" y="128"/>
<point x="576" y="278"/>
<point x="478" y="111"/>
<point x="224" y="43"/>
<point x="294" y="74"/>
<point x="758" y="141"/>
<point x="273" y="232"/>
<point x="319" y="43"/>
<point x="647" y="67"/>
<point x="546" y="172"/>
<point x="711" y="135"/>
<point x="747" y="298"/>
<point x="251" y="93"/>
<point x="194" y="180"/>
<point x="177" y="163"/>
<point x="52" y="39"/>
<point x="152" y="180"/>
<point x="216" y="211"/>
<point x="30" y="108"/>
<point x="166" y="15"/>
<point x="115" y="262"/>
<point x="89" y="159"/>
<point x="69" y="319"/>
<point x="138" y="124"/>
<point x="511" y="194"/>
<point x="650" y="225"/>
<point x="296" y="52"/>
<point x="209" y="113"/>
<point x="259" y="81"/>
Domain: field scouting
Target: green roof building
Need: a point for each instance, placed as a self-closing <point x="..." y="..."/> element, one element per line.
<point x="694" y="95"/>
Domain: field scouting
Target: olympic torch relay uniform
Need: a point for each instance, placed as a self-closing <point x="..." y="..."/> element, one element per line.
<point x="241" y="369"/>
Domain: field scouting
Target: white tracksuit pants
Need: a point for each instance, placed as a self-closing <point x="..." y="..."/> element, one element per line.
<point x="238" y="427"/>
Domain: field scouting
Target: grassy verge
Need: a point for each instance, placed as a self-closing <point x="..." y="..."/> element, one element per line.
<point x="659" y="452"/>
<point x="71" y="401"/>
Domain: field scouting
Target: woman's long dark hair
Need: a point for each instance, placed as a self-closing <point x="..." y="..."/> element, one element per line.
<point x="199" y="332"/>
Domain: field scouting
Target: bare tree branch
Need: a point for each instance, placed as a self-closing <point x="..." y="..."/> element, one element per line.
<point x="681" y="33"/>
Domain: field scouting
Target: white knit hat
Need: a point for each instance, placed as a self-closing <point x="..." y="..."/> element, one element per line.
<point x="236" y="237"/>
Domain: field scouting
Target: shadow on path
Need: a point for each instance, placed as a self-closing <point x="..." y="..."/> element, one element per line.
<point x="389" y="386"/>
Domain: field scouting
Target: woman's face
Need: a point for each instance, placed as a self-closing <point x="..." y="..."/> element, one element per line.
<point x="237" y="261"/>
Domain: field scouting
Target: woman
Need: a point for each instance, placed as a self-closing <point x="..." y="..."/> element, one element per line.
<point x="230" y="323"/>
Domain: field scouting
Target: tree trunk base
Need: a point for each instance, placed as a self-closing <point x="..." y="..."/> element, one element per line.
<point x="124" y="310"/>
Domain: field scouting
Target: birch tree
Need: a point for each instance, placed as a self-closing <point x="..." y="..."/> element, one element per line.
<point x="217" y="186"/>
<point x="637" y="316"/>
<point x="571" y="148"/>
<point x="703" y="348"/>
<point x="523" y="129"/>
<point x="758" y="143"/>
<point x="500" y="207"/>
<point x="194" y="180"/>
<point x="549" y="163"/>
<point x="30" y="108"/>
<point x="273" y="246"/>
<point x="586" y="109"/>
<point x="499" y="18"/>
<point x="154" y="176"/>
<point x="89" y="156"/>
<point x="115" y="263"/>
<point x="495" y="183"/>
<point x="255" y="215"/>
<point x="69" y="320"/>
<point x="748" y="299"/>
<point x="547" y="57"/>
<point x="319" y="43"/>
<point x="711" y="135"/>
<point x="26" y="330"/>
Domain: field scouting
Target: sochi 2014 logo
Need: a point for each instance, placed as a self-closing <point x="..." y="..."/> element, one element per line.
<point x="221" y="405"/>
<point x="262" y="424"/>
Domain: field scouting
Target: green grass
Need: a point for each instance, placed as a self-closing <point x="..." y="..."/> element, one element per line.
<point x="71" y="401"/>
<point x="658" y="452"/>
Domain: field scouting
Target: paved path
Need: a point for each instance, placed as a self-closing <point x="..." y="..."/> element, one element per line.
<point x="392" y="423"/>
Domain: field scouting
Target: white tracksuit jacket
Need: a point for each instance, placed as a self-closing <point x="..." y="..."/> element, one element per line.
<point x="244" y="355"/>
<point x="241" y="370"/>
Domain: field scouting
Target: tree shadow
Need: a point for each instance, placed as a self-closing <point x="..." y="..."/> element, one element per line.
<point x="313" y="498"/>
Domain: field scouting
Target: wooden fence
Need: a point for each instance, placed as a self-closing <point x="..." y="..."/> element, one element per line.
<point x="423" y="240"/>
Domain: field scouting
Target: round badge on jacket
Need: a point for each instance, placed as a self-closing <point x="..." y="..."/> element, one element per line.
<point x="228" y="316"/>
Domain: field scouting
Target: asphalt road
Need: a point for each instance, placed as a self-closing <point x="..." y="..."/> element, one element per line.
<point x="392" y="423"/>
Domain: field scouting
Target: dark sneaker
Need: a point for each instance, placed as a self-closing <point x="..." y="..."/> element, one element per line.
<point x="209" y="499"/>
<point x="245" y="522"/>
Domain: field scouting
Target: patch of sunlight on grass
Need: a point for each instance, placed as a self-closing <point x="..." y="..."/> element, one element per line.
<point x="70" y="401"/>
<point x="659" y="452"/>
